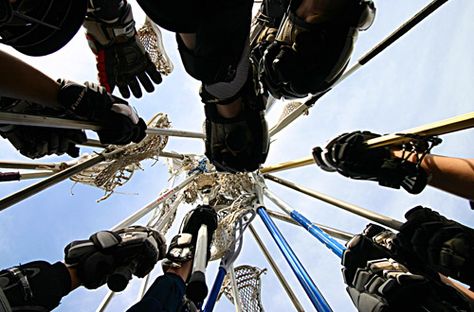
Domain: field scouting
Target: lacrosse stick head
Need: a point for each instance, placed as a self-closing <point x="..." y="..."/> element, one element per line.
<point x="150" y="36"/>
<point x="249" y="286"/>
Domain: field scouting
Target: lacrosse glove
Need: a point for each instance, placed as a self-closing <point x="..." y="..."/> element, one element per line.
<point x="378" y="283"/>
<point x="121" y="58"/>
<point x="36" y="142"/>
<point x="119" y="121"/>
<point x="113" y="256"/>
<point x="444" y="245"/>
<point x="350" y="156"/>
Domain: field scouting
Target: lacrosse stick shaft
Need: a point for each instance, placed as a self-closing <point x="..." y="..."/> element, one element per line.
<point x="216" y="287"/>
<point x="345" y="236"/>
<point x="288" y="165"/>
<point x="152" y="205"/>
<point x="305" y="280"/>
<point x="196" y="289"/>
<point x="376" y="50"/>
<point x="17" y="176"/>
<point x="365" y="213"/>
<point x="160" y="223"/>
<point x="336" y="247"/>
<point x="52" y="122"/>
<point x="105" y="302"/>
<point x="143" y="287"/>
<point x="47" y="182"/>
<point x="453" y="124"/>
<point x="276" y="270"/>
<point x="32" y="165"/>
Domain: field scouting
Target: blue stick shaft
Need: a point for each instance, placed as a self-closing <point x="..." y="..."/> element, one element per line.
<point x="324" y="238"/>
<point x="216" y="287"/>
<point x="305" y="280"/>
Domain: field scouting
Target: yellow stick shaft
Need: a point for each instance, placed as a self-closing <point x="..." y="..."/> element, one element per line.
<point x="457" y="123"/>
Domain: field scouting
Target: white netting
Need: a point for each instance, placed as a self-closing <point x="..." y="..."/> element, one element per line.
<point x="150" y="36"/>
<point x="289" y="108"/>
<point x="248" y="285"/>
<point x="118" y="168"/>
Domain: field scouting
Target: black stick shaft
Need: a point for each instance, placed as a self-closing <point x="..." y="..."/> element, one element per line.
<point x="402" y="30"/>
<point x="44" y="184"/>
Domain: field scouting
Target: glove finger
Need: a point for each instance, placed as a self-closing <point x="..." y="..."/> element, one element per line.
<point x="63" y="146"/>
<point x="135" y="87"/>
<point x="54" y="143"/>
<point x="73" y="150"/>
<point x="77" y="136"/>
<point x="154" y="73"/>
<point x="40" y="150"/>
<point x="146" y="82"/>
<point x="124" y="91"/>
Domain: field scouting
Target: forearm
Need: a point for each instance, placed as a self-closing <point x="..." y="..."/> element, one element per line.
<point x="21" y="81"/>
<point x="453" y="175"/>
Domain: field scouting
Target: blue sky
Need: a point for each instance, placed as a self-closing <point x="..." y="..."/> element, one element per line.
<point x="424" y="77"/>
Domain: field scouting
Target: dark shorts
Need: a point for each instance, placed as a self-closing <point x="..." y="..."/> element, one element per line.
<point x="222" y="28"/>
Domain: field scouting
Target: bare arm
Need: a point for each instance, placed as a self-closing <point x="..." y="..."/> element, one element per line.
<point x="21" y="81"/>
<point x="453" y="175"/>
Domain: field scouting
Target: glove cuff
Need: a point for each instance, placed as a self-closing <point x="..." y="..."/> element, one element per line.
<point x="104" y="33"/>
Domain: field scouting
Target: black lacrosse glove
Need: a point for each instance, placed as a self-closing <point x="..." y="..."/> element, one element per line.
<point x="34" y="286"/>
<point x="36" y="142"/>
<point x="384" y="285"/>
<point x="350" y="156"/>
<point x="182" y="246"/>
<point x="126" y="65"/>
<point x="240" y="143"/>
<point x="378" y="283"/>
<point x="120" y="122"/>
<point x="113" y="256"/>
<point x="434" y="241"/>
<point x="121" y="58"/>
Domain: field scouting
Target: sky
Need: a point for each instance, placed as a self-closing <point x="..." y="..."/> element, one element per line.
<point x="424" y="77"/>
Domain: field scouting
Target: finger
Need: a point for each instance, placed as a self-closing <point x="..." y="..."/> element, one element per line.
<point x="146" y="82"/>
<point x="40" y="149"/>
<point x="73" y="151"/>
<point x="63" y="145"/>
<point x="77" y="136"/>
<point x="154" y="74"/>
<point x="54" y="144"/>
<point x="135" y="87"/>
<point x="123" y="88"/>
